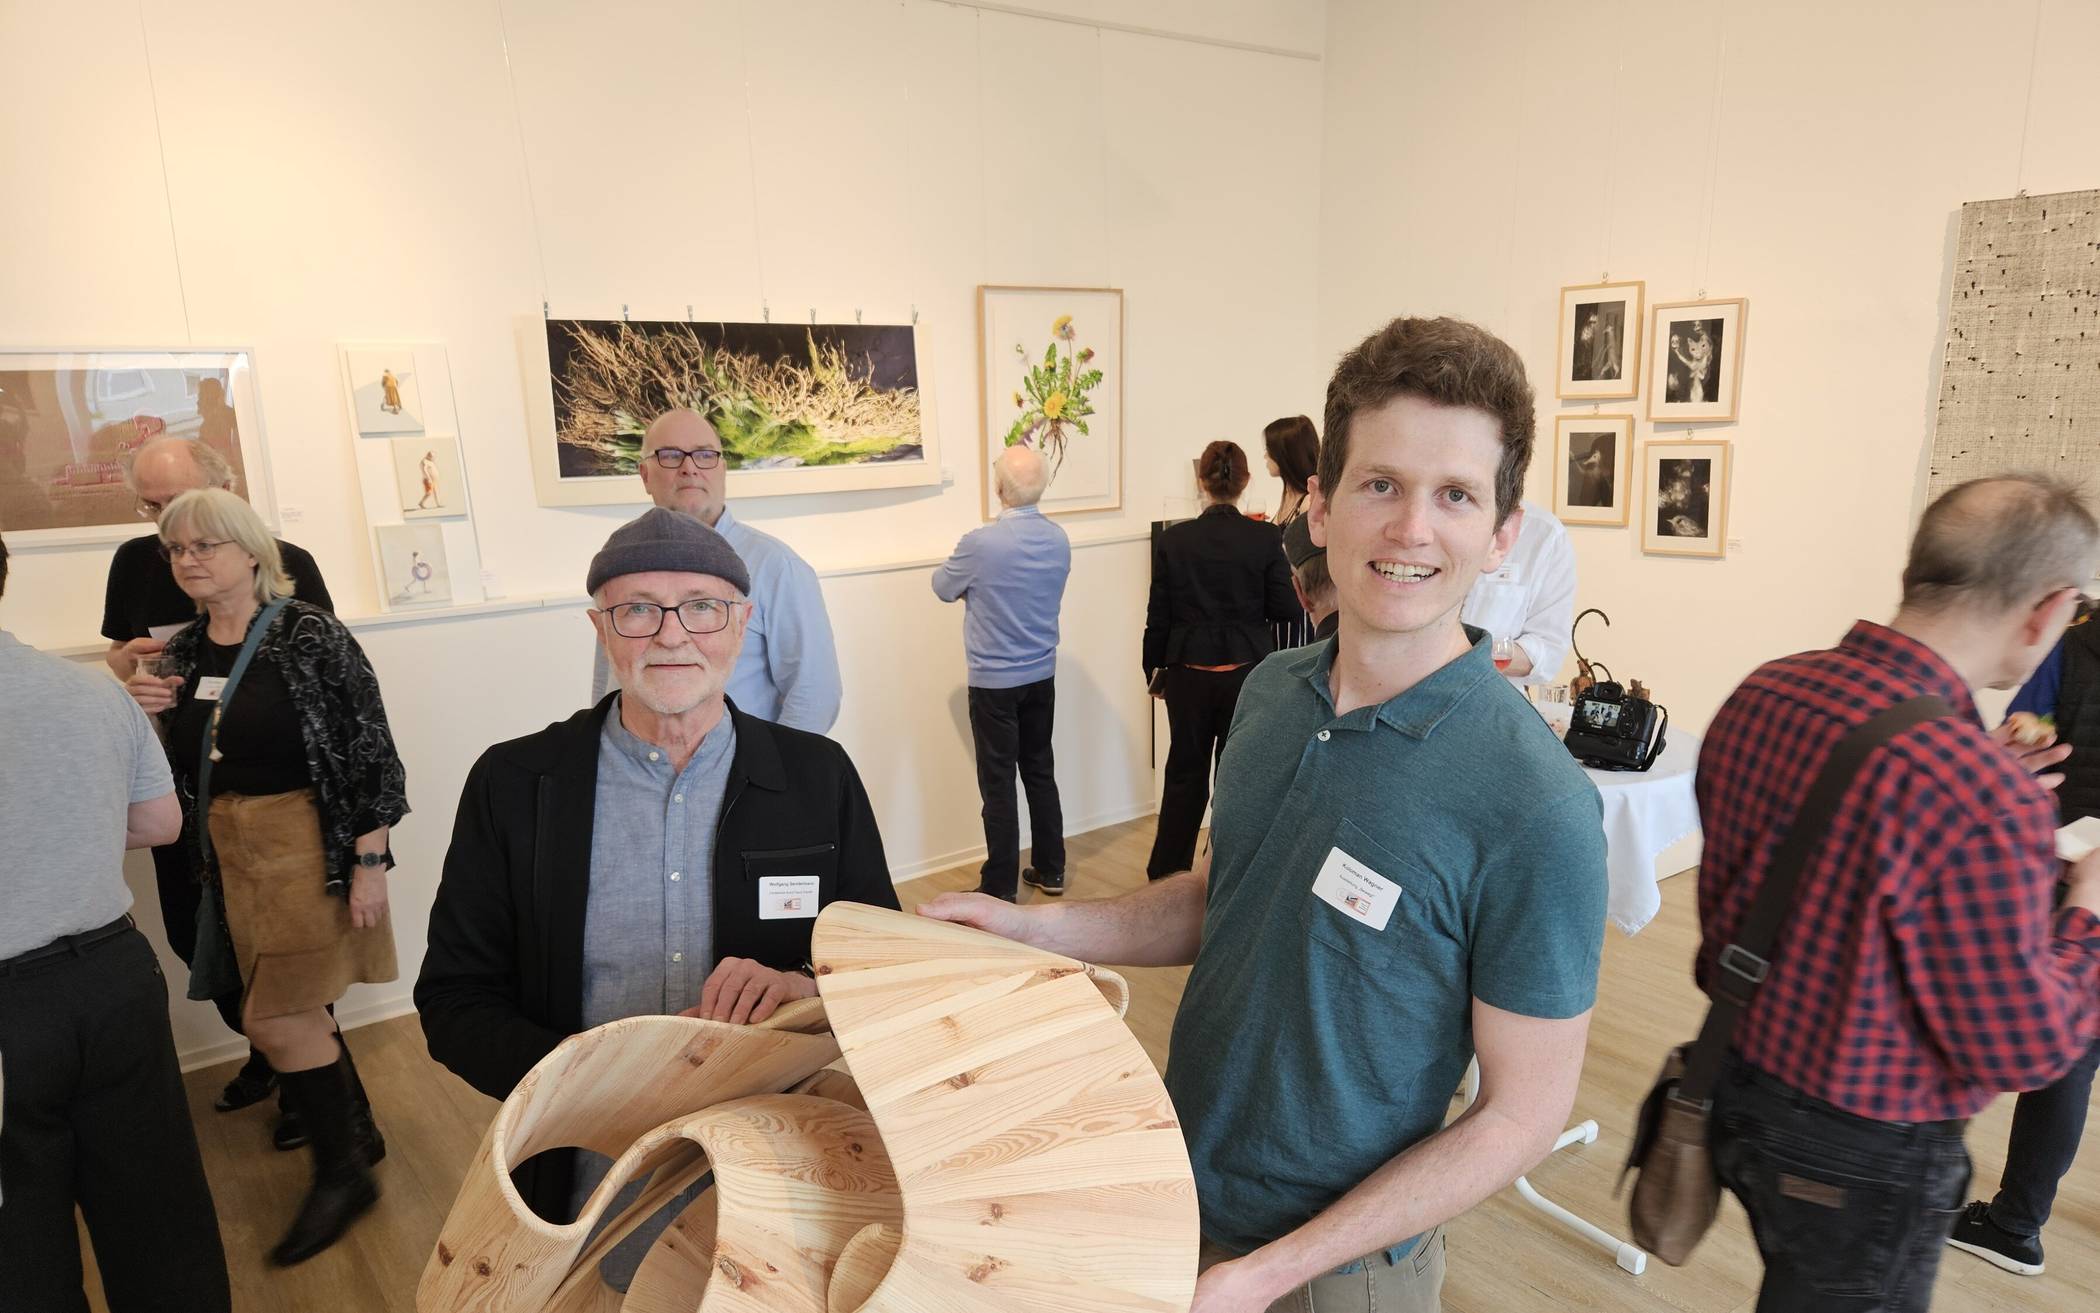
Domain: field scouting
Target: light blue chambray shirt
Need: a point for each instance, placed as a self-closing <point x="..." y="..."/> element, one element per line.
<point x="1011" y="576"/>
<point x="648" y="924"/>
<point x="788" y="671"/>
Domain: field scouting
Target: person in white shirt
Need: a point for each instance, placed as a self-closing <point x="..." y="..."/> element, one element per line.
<point x="1530" y="598"/>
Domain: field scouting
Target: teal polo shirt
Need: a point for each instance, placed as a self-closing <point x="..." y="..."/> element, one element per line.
<point x="1312" y="1046"/>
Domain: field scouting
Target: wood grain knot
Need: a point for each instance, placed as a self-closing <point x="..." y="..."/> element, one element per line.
<point x="961" y="1080"/>
<point x="996" y="1211"/>
<point x="983" y="1271"/>
<point x="481" y="1267"/>
<point x="730" y="1272"/>
<point x="823" y="968"/>
<point x="444" y="1255"/>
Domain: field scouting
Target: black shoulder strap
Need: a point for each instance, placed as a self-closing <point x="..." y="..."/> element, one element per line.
<point x="1742" y="965"/>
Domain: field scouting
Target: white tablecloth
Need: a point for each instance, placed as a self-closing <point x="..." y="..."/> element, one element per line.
<point x="1644" y="813"/>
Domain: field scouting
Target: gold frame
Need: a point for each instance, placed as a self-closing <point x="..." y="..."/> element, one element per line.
<point x="1732" y="374"/>
<point x="1719" y="515"/>
<point x="1573" y="515"/>
<point x="986" y="501"/>
<point x="1565" y="387"/>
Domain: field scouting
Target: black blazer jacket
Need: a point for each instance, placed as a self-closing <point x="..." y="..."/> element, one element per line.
<point x="502" y="979"/>
<point x="1219" y="582"/>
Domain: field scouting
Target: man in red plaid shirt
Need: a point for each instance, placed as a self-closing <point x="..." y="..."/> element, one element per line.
<point x="1921" y="970"/>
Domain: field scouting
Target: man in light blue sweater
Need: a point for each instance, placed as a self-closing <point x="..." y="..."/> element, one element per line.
<point x="1011" y="576"/>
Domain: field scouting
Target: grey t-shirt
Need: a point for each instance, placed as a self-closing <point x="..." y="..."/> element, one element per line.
<point x="75" y="754"/>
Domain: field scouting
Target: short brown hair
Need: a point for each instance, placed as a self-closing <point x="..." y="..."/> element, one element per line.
<point x="1222" y="470"/>
<point x="1294" y="444"/>
<point x="2000" y="543"/>
<point x="1447" y="362"/>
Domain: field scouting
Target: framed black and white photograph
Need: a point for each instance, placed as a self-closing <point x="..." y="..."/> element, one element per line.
<point x="1599" y="356"/>
<point x="1593" y="469"/>
<point x="1695" y="360"/>
<point x="1687" y="503"/>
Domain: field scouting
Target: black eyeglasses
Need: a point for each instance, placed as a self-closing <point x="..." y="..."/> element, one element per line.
<point x="671" y="458"/>
<point x="702" y="615"/>
<point x="201" y="550"/>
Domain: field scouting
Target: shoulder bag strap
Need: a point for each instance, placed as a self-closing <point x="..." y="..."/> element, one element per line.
<point x="1742" y="965"/>
<point x="207" y="751"/>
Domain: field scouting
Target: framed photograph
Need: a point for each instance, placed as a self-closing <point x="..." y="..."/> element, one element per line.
<point x="1600" y="342"/>
<point x="69" y="420"/>
<point x="1593" y="469"/>
<point x="1695" y="360"/>
<point x="414" y="570"/>
<point x="429" y="483"/>
<point x="386" y="390"/>
<point x="1051" y="362"/>
<point x="800" y="407"/>
<point x="1687" y="502"/>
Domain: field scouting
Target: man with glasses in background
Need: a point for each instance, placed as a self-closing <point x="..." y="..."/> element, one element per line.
<point x="789" y="670"/>
<point x="141" y="607"/>
<point x="664" y="851"/>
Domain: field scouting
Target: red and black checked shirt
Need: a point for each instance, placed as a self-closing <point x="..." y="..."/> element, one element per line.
<point x="1920" y="972"/>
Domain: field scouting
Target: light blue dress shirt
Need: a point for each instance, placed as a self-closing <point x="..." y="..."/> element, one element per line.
<point x="788" y="671"/>
<point x="1011" y="576"/>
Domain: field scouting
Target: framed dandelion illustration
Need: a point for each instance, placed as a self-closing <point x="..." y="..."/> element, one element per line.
<point x="1052" y="371"/>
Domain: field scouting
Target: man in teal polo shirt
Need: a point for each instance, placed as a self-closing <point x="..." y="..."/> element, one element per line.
<point x="1406" y="869"/>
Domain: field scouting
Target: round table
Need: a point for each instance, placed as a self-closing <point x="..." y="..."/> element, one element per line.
<point x="1644" y="813"/>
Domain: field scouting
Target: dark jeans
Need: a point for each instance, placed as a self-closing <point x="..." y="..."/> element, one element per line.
<point x="1199" y="712"/>
<point x="174" y="873"/>
<point x="2047" y="1125"/>
<point x="1851" y="1215"/>
<point x="1011" y="727"/>
<point x="95" y="1115"/>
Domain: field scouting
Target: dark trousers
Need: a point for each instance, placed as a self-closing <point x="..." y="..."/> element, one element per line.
<point x="1199" y="712"/>
<point x="95" y="1116"/>
<point x="1011" y="727"/>
<point x="2047" y="1125"/>
<point x="174" y="874"/>
<point x="1851" y="1215"/>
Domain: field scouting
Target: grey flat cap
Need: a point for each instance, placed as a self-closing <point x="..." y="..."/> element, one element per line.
<point x="667" y="540"/>
<point x="1298" y="546"/>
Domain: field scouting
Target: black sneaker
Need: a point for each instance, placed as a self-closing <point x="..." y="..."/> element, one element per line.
<point x="1976" y="1233"/>
<point x="1051" y="883"/>
<point x="253" y="1083"/>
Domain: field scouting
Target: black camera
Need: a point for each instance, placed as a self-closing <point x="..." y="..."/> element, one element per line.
<point x="1612" y="731"/>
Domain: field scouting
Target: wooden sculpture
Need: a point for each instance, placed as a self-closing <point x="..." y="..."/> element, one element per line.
<point x="996" y="1140"/>
<point x="1039" y="1160"/>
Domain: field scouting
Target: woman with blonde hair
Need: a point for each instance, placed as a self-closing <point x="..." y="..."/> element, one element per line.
<point x="290" y="786"/>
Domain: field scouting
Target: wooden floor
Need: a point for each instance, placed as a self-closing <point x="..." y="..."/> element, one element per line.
<point x="1504" y="1255"/>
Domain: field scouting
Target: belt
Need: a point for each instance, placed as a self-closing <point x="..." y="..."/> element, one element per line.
<point x="65" y="944"/>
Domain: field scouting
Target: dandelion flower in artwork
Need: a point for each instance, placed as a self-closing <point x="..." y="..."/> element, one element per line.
<point x="1085" y="354"/>
<point x="1062" y="328"/>
<point x="1054" y="406"/>
<point x="1017" y="400"/>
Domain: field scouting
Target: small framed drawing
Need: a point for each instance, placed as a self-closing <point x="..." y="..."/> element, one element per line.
<point x="1593" y="469"/>
<point x="1687" y="499"/>
<point x="1695" y="360"/>
<point x="1051" y="361"/>
<point x="386" y="392"/>
<point x="428" y="483"/>
<point x="413" y="567"/>
<point x="1600" y="342"/>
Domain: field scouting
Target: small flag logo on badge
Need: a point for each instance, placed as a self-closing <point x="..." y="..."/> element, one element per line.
<point x="1358" y="904"/>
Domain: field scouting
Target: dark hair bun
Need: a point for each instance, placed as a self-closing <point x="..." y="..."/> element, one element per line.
<point x="1222" y="470"/>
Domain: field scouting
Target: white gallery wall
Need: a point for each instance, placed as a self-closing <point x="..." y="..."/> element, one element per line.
<point x="1809" y="156"/>
<point x="287" y="177"/>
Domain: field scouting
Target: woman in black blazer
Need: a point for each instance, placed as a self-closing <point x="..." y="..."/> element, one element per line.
<point x="1219" y="585"/>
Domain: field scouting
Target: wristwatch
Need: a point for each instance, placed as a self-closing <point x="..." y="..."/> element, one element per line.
<point x="372" y="861"/>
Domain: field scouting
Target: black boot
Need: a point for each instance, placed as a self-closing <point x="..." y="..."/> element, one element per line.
<point x="343" y="1187"/>
<point x="290" y="1132"/>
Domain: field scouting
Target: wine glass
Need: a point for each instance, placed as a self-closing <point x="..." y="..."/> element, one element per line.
<point x="1504" y="652"/>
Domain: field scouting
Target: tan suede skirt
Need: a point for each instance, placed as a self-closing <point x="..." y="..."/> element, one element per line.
<point x="292" y="938"/>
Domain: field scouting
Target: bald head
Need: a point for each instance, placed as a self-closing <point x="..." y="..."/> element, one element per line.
<point x="163" y="468"/>
<point x="1020" y="476"/>
<point x="2000" y="544"/>
<point x="695" y="489"/>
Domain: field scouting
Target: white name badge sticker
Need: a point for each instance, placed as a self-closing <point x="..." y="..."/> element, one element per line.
<point x="165" y="632"/>
<point x="787" y="897"/>
<point x="1355" y="890"/>
<point x="209" y="688"/>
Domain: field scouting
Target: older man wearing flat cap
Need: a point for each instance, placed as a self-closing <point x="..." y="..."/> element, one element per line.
<point x="660" y="852"/>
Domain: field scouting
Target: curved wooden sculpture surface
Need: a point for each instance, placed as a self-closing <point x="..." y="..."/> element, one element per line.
<point x="1039" y="1160"/>
<point x="612" y="1090"/>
